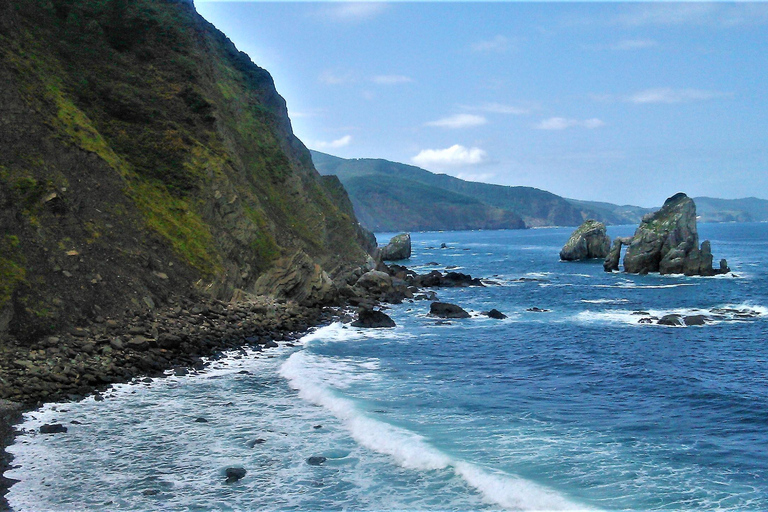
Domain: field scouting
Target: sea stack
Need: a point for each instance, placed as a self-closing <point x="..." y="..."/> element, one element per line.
<point x="398" y="248"/>
<point x="667" y="242"/>
<point x="587" y="242"/>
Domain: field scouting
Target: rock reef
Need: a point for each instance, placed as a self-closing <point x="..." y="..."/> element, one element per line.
<point x="667" y="241"/>
<point x="587" y="242"/>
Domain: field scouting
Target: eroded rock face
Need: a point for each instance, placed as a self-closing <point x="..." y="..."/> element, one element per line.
<point x="587" y="242"/>
<point x="298" y="278"/>
<point x="667" y="242"/>
<point x="398" y="248"/>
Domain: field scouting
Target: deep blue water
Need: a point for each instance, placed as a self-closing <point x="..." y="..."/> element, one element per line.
<point x="579" y="407"/>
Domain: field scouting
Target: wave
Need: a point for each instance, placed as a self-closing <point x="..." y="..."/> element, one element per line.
<point x="716" y="314"/>
<point x="605" y="301"/>
<point x="411" y="450"/>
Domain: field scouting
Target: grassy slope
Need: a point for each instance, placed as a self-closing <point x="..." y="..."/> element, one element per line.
<point x="134" y="133"/>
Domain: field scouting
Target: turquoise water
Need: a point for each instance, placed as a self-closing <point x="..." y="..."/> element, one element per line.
<point x="579" y="407"/>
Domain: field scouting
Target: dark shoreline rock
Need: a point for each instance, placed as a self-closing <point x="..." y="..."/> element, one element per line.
<point x="447" y="310"/>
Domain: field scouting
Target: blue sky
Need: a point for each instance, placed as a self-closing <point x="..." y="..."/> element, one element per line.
<point x="621" y="102"/>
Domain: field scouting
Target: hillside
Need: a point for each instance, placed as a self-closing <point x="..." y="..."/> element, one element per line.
<point x="142" y="157"/>
<point x="426" y="203"/>
<point x="749" y="209"/>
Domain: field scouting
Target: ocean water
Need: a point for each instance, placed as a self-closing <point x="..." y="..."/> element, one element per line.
<point x="576" y="408"/>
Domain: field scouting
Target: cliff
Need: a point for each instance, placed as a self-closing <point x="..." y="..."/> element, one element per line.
<point x="142" y="156"/>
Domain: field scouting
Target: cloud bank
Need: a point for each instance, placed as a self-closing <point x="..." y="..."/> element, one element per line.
<point x="563" y="123"/>
<point x="338" y="143"/>
<point x="454" y="156"/>
<point x="458" y="121"/>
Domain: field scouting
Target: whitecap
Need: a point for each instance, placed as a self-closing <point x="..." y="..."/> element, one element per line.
<point x="411" y="450"/>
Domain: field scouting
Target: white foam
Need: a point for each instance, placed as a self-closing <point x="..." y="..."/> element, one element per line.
<point x="605" y="301"/>
<point x="631" y="317"/>
<point x="411" y="450"/>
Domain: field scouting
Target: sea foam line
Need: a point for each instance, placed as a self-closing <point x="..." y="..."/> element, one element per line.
<point x="412" y="451"/>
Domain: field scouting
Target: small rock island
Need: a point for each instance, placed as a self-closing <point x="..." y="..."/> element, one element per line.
<point x="667" y="242"/>
<point x="587" y="242"/>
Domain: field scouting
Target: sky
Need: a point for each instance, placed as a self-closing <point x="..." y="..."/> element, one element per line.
<point x="621" y="102"/>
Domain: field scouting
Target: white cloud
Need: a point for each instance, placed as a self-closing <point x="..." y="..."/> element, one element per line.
<point x="338" y="143"/>
<point x="458" y="121"/>
<point x="633" y="44"/>
<point x="668" y="95"/>
<point x="562" y="123"/>
<point x="498" y="108"/>
<point x="353" y="12"/>
<point x="331" y="78"/>
<point x="722" y="14"/>
<point x="483" y="176"/>
<point x="454" y="156"/>
<point x="391" y="79"/>
<point x="497" y="44"/>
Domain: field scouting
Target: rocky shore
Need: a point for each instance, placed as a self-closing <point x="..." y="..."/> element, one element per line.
<point x="176" y="337"/>
<point x="87" y="359"/>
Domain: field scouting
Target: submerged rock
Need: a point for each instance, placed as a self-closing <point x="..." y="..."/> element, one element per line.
<point x="398" y="248"/>
<point x="495" y="313"/>
<point x="373" y="319"/>
<point x="55" y="428"/>
<point x="234" y="474"/>
<point x="446" y="310"/>
<point x="588" y="241"/>
<point x="673" y="320"/>
<point x="667" y="242"/>
<point x="316" y="460"/>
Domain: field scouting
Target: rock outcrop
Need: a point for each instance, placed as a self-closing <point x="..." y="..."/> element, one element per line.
<point x="587" y="242"/>
<point x="611" y="262"/>
<point x="667" y="242"/>
<point x="398" y="248"/>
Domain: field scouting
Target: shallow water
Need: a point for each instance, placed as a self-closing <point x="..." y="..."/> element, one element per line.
<point x="579" y="407"/>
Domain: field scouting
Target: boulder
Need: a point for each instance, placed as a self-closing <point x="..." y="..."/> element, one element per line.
<point x="588" y="241"/>
<point x="446" y="310"/>
<point x="298" y="278"/>
<point x="375" y="282"/>
<point x="398" y="248"/>
<point x="495" y="313"/>
<point x="373" y="319"/>
<point x="667" y="242"/>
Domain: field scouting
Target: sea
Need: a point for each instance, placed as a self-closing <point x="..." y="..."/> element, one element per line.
<point x="577" y="406"/>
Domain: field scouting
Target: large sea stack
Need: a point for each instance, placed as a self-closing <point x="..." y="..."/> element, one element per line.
<point x="587" y="242"/>
<point x="667" y="242"/>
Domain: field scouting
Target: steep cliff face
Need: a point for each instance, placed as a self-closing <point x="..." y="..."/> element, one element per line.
<point x="143" y="155"/>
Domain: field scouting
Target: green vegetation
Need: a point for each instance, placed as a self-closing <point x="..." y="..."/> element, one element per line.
<point x="12" y="271"/>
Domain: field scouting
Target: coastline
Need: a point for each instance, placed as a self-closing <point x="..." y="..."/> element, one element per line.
<point x="89" y="359"/>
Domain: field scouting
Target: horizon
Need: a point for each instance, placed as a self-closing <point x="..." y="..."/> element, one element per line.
<point x="581" y="100"/>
